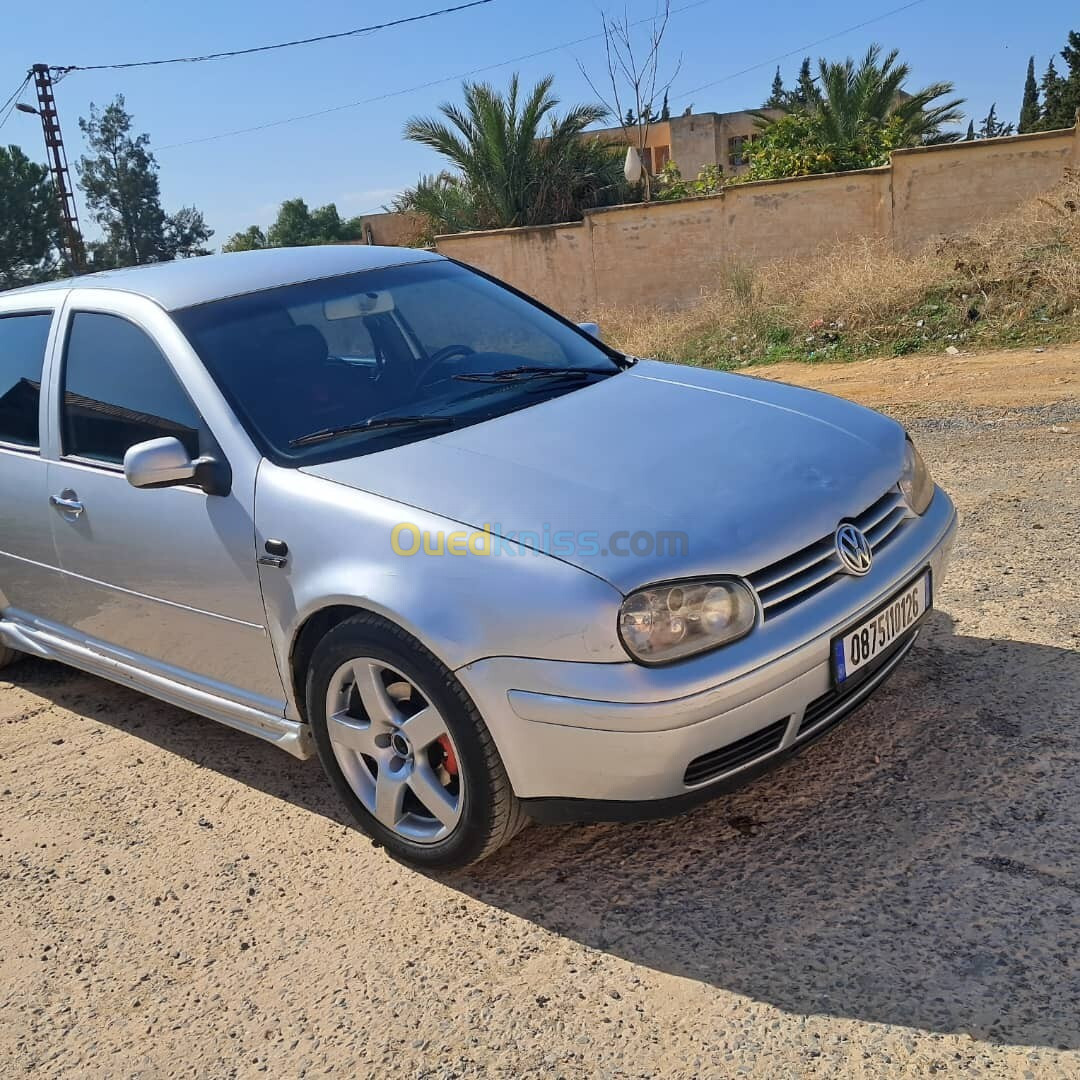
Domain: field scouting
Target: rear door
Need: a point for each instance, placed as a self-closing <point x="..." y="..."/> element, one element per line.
<point x="28" y="575"/>
<point x="164" y="578"/>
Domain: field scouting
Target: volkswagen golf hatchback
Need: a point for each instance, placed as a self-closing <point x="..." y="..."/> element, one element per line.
<point x="371" y="505"/>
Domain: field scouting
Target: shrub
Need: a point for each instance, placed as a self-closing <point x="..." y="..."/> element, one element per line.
<point x="670" y="184"/>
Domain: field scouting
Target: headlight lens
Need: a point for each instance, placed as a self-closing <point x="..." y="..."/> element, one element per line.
<point x="667" y="622"/>
<point x="915" y="481"/>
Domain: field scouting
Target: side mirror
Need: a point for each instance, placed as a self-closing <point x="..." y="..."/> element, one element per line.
<point x="591" y="328"/>
<point x="162" y="463"/>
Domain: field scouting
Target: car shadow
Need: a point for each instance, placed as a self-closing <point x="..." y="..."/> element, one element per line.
<point x="918" y="866"/>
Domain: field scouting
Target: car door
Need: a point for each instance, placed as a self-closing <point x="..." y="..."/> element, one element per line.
<point x="28" y="569"/>
<point x="164" y="578"/>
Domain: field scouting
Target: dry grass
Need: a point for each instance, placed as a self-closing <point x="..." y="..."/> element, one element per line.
<point x="1011" y="281"/>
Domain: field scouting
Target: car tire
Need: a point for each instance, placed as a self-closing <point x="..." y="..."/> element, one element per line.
<point x="9" y="656"/>
<point x="367" y="682"/>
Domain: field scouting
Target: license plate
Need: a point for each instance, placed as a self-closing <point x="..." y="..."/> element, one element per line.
<point x="860" y="645"/>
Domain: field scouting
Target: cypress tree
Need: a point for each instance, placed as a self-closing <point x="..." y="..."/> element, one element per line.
<point x="970" y="136"/>
<point x="779" y="96"/>
<point x="992" y="127"/>
<point x="1070" y="91"/>
<point x="1053" y="100"/>
<point x="1029" y="110"/>
<point x="805" y="91"/>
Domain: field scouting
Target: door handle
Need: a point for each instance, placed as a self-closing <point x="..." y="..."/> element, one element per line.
<point x="67" y="503"/>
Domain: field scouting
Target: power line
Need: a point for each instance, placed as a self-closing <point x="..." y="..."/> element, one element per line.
<point x="18" y="90"/>
<point x="64" y="69"/>
<point x="9" y="106"/>
<point x="799" y="51"/>
<point x="411" y="89"/>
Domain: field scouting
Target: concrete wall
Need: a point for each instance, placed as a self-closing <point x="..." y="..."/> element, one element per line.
<point x="667" y="254"/>
<point x="393" y="230"/>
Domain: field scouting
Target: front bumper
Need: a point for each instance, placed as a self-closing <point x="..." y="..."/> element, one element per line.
<point x="614" y="741"/>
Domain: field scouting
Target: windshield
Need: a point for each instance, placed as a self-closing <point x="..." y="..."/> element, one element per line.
<point x="353" y="364"/>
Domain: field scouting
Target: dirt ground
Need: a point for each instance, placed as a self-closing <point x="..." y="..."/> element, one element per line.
<point x="902" y="899"/>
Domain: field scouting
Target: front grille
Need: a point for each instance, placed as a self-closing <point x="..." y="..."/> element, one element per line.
<point x="729" y="757"/>
<point x="842" y="699"/>
<point x="797" y="577"/>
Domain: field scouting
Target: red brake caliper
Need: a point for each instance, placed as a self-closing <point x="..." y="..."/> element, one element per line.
<point x="449" y="762"/>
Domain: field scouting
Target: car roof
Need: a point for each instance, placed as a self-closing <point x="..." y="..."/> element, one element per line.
<point x="187" y="282"/>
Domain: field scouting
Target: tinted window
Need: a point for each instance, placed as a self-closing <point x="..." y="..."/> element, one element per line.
<point x="119" y="390"/>
<point x="22" y="353"/>
<point x="429" y="340"/>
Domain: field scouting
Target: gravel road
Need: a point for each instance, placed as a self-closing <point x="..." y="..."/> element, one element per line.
<point x="902" y="899"/>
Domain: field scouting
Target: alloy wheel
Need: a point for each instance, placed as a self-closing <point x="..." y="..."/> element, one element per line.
<point x="395" y="750"/>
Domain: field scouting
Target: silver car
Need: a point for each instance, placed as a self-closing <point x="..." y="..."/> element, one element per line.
<point x="370" y="504"/>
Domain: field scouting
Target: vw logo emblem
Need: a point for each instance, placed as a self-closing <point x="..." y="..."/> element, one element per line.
<point x="854" y="550"/>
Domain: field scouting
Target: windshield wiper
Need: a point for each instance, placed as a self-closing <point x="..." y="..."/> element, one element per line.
<point x="327" y="434"/>
<point x="525" y="373"/>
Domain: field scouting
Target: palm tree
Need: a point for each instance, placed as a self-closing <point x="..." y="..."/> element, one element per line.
<point x="851" y="99"/>
<point x="445" y="202"/>
<point x="515" y="155"/>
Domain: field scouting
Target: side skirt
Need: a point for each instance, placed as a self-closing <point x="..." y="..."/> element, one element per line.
<point x="290" y="735"/>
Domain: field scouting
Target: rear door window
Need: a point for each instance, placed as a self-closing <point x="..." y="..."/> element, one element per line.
<point x="22" y="357"/>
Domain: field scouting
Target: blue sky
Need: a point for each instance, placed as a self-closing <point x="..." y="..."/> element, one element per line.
<point x="356" y="156"/>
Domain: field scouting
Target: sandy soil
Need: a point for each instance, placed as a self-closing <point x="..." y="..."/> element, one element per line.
<point x="903" y="899"/>
<point x="1001" y="379"/>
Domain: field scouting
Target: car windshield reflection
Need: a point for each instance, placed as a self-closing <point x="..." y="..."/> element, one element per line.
<point x="311" y="368"/>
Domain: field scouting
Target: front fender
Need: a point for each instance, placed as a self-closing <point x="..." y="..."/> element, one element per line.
<point x="463" y="607"/>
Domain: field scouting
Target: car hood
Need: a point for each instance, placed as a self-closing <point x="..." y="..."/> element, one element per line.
<point x="748" y="469"/>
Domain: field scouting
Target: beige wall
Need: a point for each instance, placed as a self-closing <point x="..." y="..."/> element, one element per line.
<point x="394" y="230"/>
<point x="936" y="192"/>
<point x="666" y="254"/>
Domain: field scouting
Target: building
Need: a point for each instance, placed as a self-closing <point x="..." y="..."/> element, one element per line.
<point x="695" y="140"/>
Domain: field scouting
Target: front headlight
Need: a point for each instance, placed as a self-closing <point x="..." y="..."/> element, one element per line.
<point x="668" y="622"/>
<point x="915" y="481"/>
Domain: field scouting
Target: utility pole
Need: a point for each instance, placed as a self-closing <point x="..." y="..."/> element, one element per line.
<point x="54" y="145"/>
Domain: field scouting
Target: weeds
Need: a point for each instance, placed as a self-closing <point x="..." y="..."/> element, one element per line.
<point x="1013" y="281"/>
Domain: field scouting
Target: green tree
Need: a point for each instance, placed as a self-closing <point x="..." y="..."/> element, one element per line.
<point x="665" y="108"/>
<point x="299" y="226"/>
<point x="29" y="221"/>
<point x="854" y="98"/>
<point x="251" y="239"/>
<point x="185" y="235"/>
<point x="444" y="200"/>
<point x="517" y="158"/>
<point x="778" y="98"/>
<point x="1053" y="100"/>
<point x="1029" y="109"/>
<point x="805" y="90"/>
<point x="1070" y="93"/>
<point x="992" y="127"/>
<point x="855" y="116"/>
<point x="585" y="174"/>
<point x="970" y="136"/>
<point x="802" y="144"/>
<point x="120" y="181"/>
<point x="293" y="226"/>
